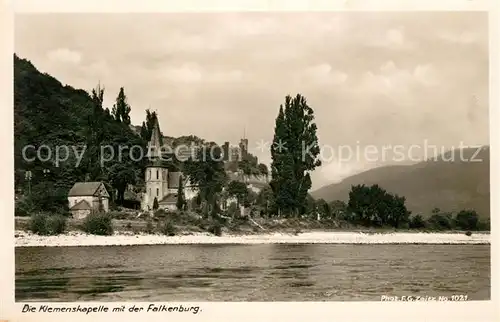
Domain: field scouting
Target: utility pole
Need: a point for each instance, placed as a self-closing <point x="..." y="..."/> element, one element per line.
<point x="28" y="175"/>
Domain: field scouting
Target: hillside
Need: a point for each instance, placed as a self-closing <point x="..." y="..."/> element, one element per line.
<point x="447" y="185"/>
<point x="54" y="116"/>
<point x="48" y="113"/>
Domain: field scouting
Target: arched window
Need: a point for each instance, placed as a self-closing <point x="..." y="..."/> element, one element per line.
<point x="157" y="192"/>
<point x="157" y="174"/>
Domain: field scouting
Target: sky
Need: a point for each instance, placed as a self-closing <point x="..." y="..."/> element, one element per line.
<point x="375" y="80"/>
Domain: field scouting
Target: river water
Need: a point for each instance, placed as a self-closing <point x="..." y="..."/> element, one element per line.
<point x="268" y="272"/>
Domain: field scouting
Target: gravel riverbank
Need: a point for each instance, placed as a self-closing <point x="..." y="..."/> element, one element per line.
<point x="26" y="239"/>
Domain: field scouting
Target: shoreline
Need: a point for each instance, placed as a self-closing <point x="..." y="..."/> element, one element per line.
<point x="75" y="239"/>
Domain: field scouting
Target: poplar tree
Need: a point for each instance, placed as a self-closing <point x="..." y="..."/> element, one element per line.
<point x="180" y="195"/>
<point x="121" y="109"/>
<point x="294" y="154"/>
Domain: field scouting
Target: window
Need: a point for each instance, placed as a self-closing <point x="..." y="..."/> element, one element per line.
<point x="157" y="174"/>
<point x="149" y="192"/>
<point x="157" y="192"/>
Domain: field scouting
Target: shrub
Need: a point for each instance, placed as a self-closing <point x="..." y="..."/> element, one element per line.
<point x="56" y="224"/>
<point x="403" y="225"/>
<point x="484" y="225"/>
<point x="118" y="215"/>
<point x="168" y="229"/>
<point x="439" y="221"/>
<point x="467" y="220"/>
<point x="203" y="224"/>
<point x="37" y="224"/>
<point x="98" y="224"/>
<point x="155" y="204"/>
<point x="468" y="233"/>
<point x="24" y="208"/>
<point x="149" y="227"/>
<point x="215" y="228"/>
<point x="161" y="213"/>
<point x="43" y="224"/>
<point x="417" y="222"/>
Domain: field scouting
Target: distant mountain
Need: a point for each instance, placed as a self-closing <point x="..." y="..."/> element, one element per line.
<point x="447" y="185"/>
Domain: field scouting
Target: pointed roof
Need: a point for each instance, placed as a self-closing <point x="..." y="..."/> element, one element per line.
<point x="81" y="205"/>
<point x="88" y="189"/>
<point x="171" y="198"/>
<point x="154" y="145"/>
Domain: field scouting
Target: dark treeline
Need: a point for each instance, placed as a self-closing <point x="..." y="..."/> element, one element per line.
<point x="46" y="113"/>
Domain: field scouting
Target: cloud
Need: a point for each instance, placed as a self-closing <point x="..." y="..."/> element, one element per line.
<point x="177" y="42"/>
<point x="390" y="79"/>
<point x="193" y="73"/>
<point x="337" y="171"/>
<point x="463" y="38"/>
<point x="64" y="55"/>
<point x="321" y="74"/>
<point x="393" y="38"/>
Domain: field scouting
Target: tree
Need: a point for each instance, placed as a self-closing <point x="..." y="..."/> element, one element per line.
<point x="467" y="220"/>
<point x="263" y="170"/>
<point x="120" y="176"/>
<point x="323" y="208"/>
<point x="248" y="165"/>
<point x="265" y="199"/>
<point x="311" y="208"/>
<point x="417" y="222"/>
<point x="207" y="172"/>
<point x="294" y="153"/>
<point x="238" y="190"/>
<point x="440" y="220"/>
<point x="155" y="204"/>
<point x="250" y="198"/>
<point x="339" y="208"/>
<point x="372" y="205"/>
<point x="148" y="125"/>
<point x="121" y="109"/>
<point x="180" y="195"/>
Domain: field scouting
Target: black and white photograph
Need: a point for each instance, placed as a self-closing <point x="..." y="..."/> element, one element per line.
<point x="339" y="156"/>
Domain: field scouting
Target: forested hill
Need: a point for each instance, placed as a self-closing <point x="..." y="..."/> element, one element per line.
<point x="49" y="113"/>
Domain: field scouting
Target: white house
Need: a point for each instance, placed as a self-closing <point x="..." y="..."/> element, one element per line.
<point x="86" y="197"/>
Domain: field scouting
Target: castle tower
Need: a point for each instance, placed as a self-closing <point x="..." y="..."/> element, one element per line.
<point x="244" y="147"/>
<point x="156" y="176"/>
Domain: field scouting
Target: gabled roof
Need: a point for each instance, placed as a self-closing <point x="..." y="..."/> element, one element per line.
<point x="81" y="205"/>
<point x="171" y="198"/>
<point x="87" y="189"/>
<point x="173" y="179"/>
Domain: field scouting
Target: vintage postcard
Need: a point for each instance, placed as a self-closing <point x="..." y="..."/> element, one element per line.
<point x="245" y="163"/>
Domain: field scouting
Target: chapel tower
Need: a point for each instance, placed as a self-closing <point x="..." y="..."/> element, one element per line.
<point x="156" y="176"/>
